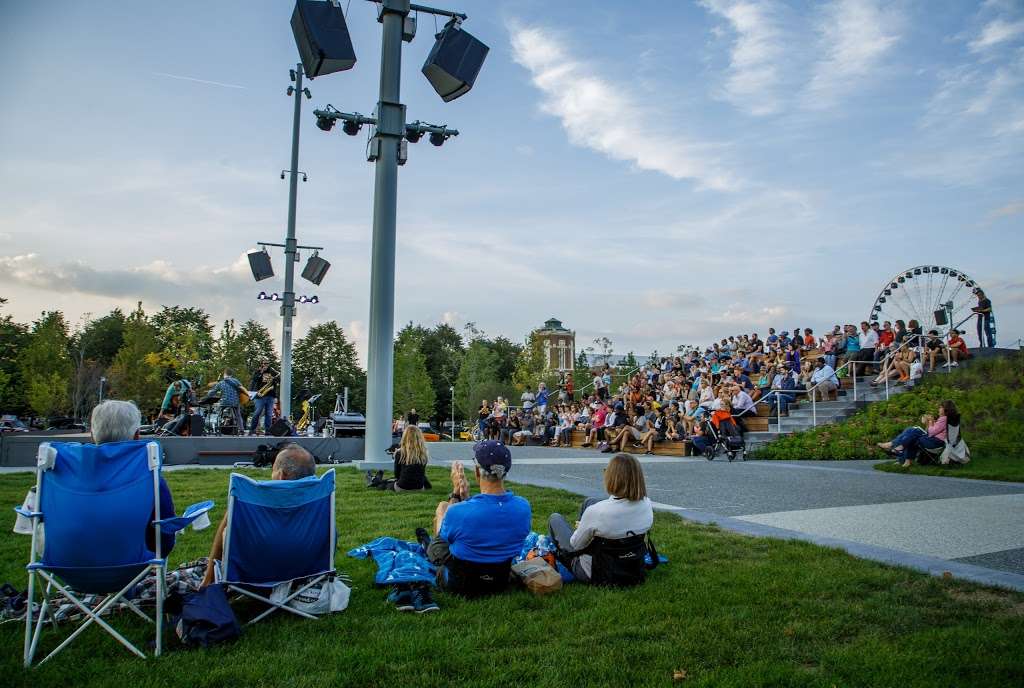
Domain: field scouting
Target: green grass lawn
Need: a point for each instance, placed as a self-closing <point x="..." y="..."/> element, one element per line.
<point x="1005" y="467"/>
<point x="989" y="394"/>
<point x="727" y="610"/>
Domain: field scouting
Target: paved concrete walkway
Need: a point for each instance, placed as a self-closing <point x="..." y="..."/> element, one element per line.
<point x="970" y="528"/>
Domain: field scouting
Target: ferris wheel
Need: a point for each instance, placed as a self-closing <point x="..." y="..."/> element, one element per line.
<point x="930" y="294"/>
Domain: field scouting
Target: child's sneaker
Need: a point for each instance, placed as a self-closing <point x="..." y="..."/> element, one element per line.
<point x="422" y="600"/>
<point x="402" y="598"/>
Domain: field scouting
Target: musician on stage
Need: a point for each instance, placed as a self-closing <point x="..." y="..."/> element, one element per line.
<point x="176" y="399"/>
<point x="228" y="388"/>
<point x="264" y="384"/>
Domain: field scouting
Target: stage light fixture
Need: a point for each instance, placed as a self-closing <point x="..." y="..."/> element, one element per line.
<point x="259" y="263"/>
<point x="282" y="174"/>
<point x="322" y="37"/>
<point x="413" y="135"/>
<point x="454" y="61"/>
<point x="275" y="297"/>
<point x="324" y="123"/>
<point x="351" y="128"/>
<point x="316" y="269"/>
<point x="314" y="299"/>
<point x="437" y="139"/>
<point x="262" y="296"/>
<point x="291" y="90"/>
<point x="305" y="91"/>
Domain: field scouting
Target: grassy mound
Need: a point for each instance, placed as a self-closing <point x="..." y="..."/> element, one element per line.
<point x="727" y="610"/>
<point x="989" y="394"/>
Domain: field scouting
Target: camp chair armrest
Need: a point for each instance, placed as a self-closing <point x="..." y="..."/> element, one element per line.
<point x="28" y="513"/>
<point x="197" y="516"/>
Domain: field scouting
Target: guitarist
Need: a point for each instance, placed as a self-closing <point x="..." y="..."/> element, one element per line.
<point x="264" y="385"/>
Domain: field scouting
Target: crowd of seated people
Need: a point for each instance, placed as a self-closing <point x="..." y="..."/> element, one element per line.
<point x="666" y="399"/>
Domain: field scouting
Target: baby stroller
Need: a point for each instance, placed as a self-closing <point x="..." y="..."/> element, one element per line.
<point x="720" y="433"/>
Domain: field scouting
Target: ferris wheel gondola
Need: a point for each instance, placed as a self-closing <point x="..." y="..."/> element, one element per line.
<point x="933" y="295"/>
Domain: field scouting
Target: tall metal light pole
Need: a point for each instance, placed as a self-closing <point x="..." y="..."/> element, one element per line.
<point x="390" y="129"/>
<point x="452" y="390"/>
<point x="290" y="255"/>
<point x="387" y="150"/>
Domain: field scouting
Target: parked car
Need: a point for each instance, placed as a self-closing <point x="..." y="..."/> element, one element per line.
<point x="11" y="423"/>
<point x="63" y="423"/>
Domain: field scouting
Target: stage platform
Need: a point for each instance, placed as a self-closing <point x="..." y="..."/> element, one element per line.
<point x="20" y="449"/>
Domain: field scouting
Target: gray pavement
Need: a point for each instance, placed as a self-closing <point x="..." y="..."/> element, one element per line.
<point x="971" y="528"/>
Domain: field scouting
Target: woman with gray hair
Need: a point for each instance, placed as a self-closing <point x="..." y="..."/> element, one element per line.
<point x="118" y="421"/>
<point x="115" y="421"/>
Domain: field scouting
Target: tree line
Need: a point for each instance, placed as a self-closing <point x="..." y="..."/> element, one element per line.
<point x="52" y="368"/>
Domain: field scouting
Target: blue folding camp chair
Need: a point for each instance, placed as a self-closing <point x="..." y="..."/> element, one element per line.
<point x="278" y="531"/>
<point x="93" y="506"/>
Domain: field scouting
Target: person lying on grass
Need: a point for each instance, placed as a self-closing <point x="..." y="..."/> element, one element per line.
<point x="410" y="465"/>
<point x="292" y="463"/>
<point x="475" y="538"/>
<point x="627" y="512"/>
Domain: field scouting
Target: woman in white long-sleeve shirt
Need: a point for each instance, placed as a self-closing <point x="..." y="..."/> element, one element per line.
<point x="626" y="512"/>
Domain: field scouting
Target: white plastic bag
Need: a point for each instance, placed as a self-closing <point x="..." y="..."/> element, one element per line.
<point x="327" y="596"/>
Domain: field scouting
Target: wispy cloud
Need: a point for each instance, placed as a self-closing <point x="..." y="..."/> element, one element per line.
<point x="1009" y="210"/>
<point x="995" y="32"/>
<point x="599" y="114"/>
<point x="157" y="281"/>
<point x="754" y="63"/>
<point x="198" y="81"/>
<point x="856" y="36"/>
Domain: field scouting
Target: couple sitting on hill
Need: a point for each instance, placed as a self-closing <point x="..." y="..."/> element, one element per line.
<point x="476" y="537"/>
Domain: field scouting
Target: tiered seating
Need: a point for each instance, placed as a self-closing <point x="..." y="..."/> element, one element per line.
<point x="681" y="448"/>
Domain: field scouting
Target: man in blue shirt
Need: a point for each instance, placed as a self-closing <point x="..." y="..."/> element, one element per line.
<point x="229" y="397"/>
<point x="477" y="537"/>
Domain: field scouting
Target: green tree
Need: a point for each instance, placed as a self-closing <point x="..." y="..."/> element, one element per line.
<point x="228" y="352"/>
<point x="478" y="379"/>
<point x="101" y="339"/>
<point x="443" y="349"/>
<point x="13" y="337"/>
<point x="45" y="365"/>
<point x="532" y="366"/>
<point x="507" y="352"/>
<point x="325" y="362"/>
<point x="628" y="363"/>
<point x="581" y="374"/>
<point x="413" y="388"/>
<point x="186" y="341"/>
<point x="257" y="345"/>
<point x="133" y="375"/>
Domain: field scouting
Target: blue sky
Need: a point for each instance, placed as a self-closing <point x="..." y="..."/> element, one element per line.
<point x="655" y="172"/>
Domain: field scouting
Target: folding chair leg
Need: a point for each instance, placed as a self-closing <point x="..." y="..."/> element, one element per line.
<point x="30" y="600"/>
<point x="160" y="584"/>
<point x="94" y="616"/>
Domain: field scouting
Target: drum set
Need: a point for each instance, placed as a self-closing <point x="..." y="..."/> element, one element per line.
<point x="217" y="420"/>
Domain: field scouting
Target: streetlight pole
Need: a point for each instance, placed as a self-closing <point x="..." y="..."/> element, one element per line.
<point x="390" y="129"/>
<point x="290" y="255"/>
<point x="452" y="390"/>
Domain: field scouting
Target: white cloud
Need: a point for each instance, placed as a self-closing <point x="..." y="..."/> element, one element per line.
<point x="754" y="64"/>
<point x="856" y="35"/>
<point x="599" y="114"/>
<point x="156" y="281"/>
<point x="995" y="32"/>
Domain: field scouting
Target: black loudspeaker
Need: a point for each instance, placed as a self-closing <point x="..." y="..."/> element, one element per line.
<point x="454" y="62"/>
<point x="197" y="425"/>
<point x="259" y="263"/>
<point x="940" y="317"/>
<point x="321" y="36"/>
<point x="280" y="428"/>
<point x="316" y="269"/>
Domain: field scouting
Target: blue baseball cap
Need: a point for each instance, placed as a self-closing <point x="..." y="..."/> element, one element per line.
<point x="489" y="454"/>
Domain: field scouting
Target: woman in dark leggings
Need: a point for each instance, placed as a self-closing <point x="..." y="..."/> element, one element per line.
<point x="626" y="512"/>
